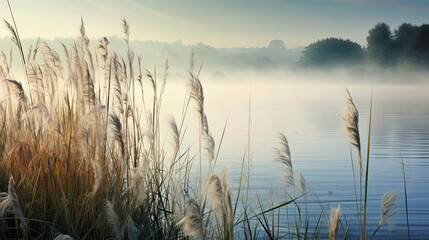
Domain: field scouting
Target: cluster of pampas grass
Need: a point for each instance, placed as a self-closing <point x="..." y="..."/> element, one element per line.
<point x="76" y="120"/>
<point x="76" y="135"/>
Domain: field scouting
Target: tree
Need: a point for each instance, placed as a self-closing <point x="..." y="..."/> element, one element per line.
<point x="422" y="42"/>
<point x="405" y="34"/>
<point x="277" y="44"/>
<point x="411" y="44"/>
<point x="379" y="44"/>
<point x="403" y="43"/>
<point x="331" y="52"/>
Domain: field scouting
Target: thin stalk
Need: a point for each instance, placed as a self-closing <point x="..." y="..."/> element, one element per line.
<point x="406" y="198"/>
<point x="239" y="186"/>
<point x="107" y="111"/>
<point x="249" y="157"/>
<point x="21" y="51"/>
<point x="17" y="34"/>
<point x="376" y="230"/>
<point x="287" y="215"/>
<point x="367" y="167"/>
<point x="354" y="183"/>
<point x="267" y="211"/>
<point x="220" y="143"/>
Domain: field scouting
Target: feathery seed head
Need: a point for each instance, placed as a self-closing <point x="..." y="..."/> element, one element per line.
<point x="388" y="206"/>
<point x="9" y="205"/>
<point x="302" y="184"/>
<point x="351" y="123"/>
<point x="112" y="219"/>
<point x="192" y="223"/>
<point x="334" y="219"/>
<point x="283" y="156"/>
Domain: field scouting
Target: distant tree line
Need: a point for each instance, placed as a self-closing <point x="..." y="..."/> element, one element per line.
<point x="406" y="45"/>
<point x="330" y="52"/>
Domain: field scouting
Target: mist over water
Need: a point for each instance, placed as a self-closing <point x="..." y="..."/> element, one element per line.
<point x="307" y="108"/>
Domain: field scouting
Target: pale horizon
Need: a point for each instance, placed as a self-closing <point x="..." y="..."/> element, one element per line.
<point x="221" y="24"/>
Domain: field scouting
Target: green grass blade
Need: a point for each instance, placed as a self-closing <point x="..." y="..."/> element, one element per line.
<point x="367" y="167"/>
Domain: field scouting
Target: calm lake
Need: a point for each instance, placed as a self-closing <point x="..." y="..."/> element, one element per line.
<point x="310" y="117"/>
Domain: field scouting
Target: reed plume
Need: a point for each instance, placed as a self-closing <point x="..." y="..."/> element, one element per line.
<point x="174" y="130"/>
<point x="351" y="123"/>
<point x="283" y="156"/>
<point x="4" y="66"/>
<point x="129" y="230"/>
<point x="15" y="37"/>
<point x="98" y="177"/>
<point x="388" y="209"/>
<point x="68" y="58"/>
<point x="302" y="184"/>
<point x="192" y="223"/>
<point x="102" y="47"/>
<point x="63" y="237"/>
<point x="388" y="206"/>
<point x="115" y="130"/>
<point x="57" y="235"/>
<point x="197" y="93"/>
<point x="214" y="190"/>
<point x="220" y="198"/>
<point x="9" y="205"/>
<point x="139" y="176"/>
<point x="39" y="111"/>
<point x="112" y="220"/>
<point x="334" y="219"/>
<point x="117" y="88"/>
<point x="85" y="47"/>
<point x="18" y="90"/>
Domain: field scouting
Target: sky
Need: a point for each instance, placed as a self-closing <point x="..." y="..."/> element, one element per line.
<point x="218" y="23"/>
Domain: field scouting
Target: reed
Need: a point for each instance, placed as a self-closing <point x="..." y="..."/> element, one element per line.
<point x="334" y="219"/>
<point x="351" y="123"/>
<point x="405" y="196"/>
<point x="388" y="209"/>
<point x="367" y="168"/>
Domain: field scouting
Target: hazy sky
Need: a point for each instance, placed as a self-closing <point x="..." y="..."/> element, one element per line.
<point x="219" y="23"/>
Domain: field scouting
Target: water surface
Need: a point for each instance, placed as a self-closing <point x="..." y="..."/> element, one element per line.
<point x="310" y="116"/>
